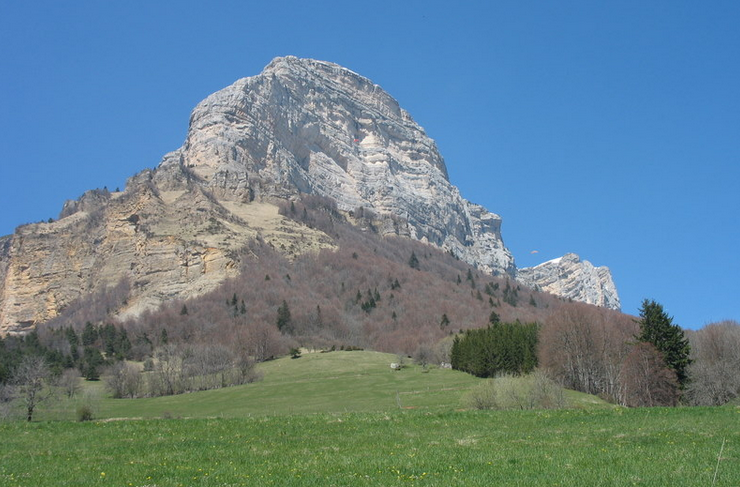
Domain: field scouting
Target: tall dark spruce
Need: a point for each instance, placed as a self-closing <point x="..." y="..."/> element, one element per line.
<point x="657" y="328"/>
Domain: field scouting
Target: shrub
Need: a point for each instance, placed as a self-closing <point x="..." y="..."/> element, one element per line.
<point x="483" y="396"/>
<point x="84" y="413"/>
<point x="534" y="391"/>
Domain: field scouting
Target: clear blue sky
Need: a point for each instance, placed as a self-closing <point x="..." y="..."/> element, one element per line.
<point x="609" y="129"/>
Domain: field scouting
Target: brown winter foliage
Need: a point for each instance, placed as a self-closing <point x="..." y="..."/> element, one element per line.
<point x="365" y="294"/>
<point x="646" y="381"/>
<point x="585" y="347"/>
<point x="715" y="371"/>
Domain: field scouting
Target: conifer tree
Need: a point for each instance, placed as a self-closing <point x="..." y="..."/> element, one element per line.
<point x="283" y="317"/>
<point x="657" y="328"/>
<point x="414" y="261"/>
<point x="89" y="334"/>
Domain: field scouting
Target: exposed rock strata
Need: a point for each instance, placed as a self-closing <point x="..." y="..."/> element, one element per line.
<point x="571" y="277"/>
<point x="167" y="244"/>
<point x="314" y="127"/>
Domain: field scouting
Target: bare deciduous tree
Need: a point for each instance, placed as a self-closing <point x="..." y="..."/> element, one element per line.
<point x="715" y="371"/>
<point x="166" y="378"/>
<point x="31" y="379"/>
<point x="208" y="367"/>
<point x="584" y="348"/>
<point x="646" y="380"/>
<point x="7" y="394"/>
<point x="69" y="382"/>
<point x="124" y="379"/>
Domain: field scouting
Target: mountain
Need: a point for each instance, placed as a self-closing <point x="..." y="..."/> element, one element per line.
<point x="570" y="277"/>
<point x="301" y="127"/>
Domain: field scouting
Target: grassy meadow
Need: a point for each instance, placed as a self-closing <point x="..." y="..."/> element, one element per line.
<point x="581" y="447"/>
<point x="340" y="381"/>
<point x="346" y="419"/>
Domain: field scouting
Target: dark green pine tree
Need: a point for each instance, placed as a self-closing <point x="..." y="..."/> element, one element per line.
<point x="414" y="261"/>
<point x="89" y="334"/>
<point x="657" y="328"/>
<point x="283" y="317"/>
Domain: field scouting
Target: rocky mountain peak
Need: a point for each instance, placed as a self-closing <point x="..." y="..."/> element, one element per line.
<point x="306" y="126"/>
<point x="570" y="277"/>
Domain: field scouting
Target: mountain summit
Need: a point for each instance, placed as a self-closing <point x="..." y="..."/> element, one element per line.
<point x="300" y="127"/>
<point x="314" y="127"/>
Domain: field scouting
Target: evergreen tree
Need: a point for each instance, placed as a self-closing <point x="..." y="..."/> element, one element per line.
<point x="72" y="337"/>
<point x="283" y="317"/>
<point x="109" y="335"/>
<point x="414" y="261"/>
<point x="92" y="360"/>
<point x="657" y="328"/>
<point x="319" y="319"/>
<point x="89" y="334"/>
<point x="123" y="347"/>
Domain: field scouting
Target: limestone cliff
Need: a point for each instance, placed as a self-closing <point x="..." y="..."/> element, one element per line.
<point x="571" y="277"/>
<point x="167" y="244"/>
<point x="314" y="127"/>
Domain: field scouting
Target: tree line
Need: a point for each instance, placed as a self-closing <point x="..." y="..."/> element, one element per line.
<point x="645" y="362"/>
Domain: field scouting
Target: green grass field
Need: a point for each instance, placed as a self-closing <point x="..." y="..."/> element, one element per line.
<point x="610" y="447"/>
<point x="346" y="419"/>
<point x="314" y="383"/>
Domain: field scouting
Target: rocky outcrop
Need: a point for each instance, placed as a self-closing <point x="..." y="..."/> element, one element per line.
<point x="167" y="244"/>
<point x="573" y="278"/>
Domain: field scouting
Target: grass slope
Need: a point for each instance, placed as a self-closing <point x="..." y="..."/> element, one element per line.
<point x="339" y="381"/>
<point x="614" y="447"/>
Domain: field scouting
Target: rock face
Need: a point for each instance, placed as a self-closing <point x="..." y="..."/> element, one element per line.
<point x="300" y="127"/>
<point x="166" y="244"/>
<point x="571" y="277"/>
<point x="315" y="127"/>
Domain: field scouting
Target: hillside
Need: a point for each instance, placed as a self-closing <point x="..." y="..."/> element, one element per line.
<point x="317" y="382"/>
<point x="361" y="291"/>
